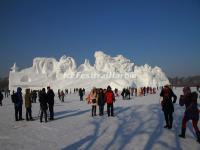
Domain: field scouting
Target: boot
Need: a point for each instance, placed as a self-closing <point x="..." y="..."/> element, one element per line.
<point x="198" y="136"/>
<point x="166" y="126"/>
<point x="182" y="135"/>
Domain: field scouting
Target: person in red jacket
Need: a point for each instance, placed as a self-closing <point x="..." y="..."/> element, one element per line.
<point x="109" y="99"/>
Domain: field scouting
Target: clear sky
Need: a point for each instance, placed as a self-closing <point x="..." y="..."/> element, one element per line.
<point x="165" y="33"/>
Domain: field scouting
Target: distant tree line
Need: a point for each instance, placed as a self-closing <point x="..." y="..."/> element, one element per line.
<point x="185" y="81"/>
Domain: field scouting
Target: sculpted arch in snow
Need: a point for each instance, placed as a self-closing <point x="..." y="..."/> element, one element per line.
<point x="119" y="72"/>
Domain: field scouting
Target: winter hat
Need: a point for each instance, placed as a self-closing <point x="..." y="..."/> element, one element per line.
<point x="109" y="88"/>
<point x="19" y="89"/>
<point x="43" y="89"/>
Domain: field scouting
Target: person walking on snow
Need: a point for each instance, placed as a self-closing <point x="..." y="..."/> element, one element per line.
<point x="167" y="105"/>
<point x="189" y="99"/>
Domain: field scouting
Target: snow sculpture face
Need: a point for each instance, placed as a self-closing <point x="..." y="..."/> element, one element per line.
<point x="44" y="65"/>
<point x="66" y="64"/>
<point x="48" y="67"/>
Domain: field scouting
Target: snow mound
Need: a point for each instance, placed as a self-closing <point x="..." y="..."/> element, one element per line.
<point x="119" y="72"/>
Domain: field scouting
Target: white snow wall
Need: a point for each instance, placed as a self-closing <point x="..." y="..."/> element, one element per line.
<point x="119" y="72"/>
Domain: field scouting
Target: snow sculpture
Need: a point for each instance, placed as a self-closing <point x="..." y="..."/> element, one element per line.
<point x="14" y="68"/>
<point x="119" y="72"/>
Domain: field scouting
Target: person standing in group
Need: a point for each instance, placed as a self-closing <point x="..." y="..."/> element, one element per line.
<point x="167" y="105"/>
<point x="50" y="99"/>
<point x="62" y="96"/>
<point x="189" y="99"/>
<point x="34" y="96"/>
<point x="110" y="99"/>
<point x="81" y="94"/>
<point x="101" y="102"/>
<point x="43" y="104"/>
<point x="92" y="99"/>
<point x="28" y="105"/>
<point x="18" y="102"/>
<point x="1" y="98"/>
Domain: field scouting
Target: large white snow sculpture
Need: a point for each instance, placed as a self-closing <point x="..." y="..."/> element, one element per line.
<point x="119" y="72"/>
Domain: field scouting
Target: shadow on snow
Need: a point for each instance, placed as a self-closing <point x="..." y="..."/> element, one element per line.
<point x="150" y="124"/>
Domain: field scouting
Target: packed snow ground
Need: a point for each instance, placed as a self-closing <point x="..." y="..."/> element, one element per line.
<point x="137" y="125"/>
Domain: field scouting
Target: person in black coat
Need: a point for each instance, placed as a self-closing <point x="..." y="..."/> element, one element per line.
<point x="43" y="104"/>
<point x="50" y="99"/>
<point x="167" y="105"/>
<point x="123" y="93"/>
<point x="1" y="98"/>
<point x="101" y="102"/>
<point x="189" y="99"/>
<point x="81" y="94"/>
<point x="18" y="102"/>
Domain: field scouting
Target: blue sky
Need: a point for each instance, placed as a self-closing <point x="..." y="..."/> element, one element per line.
<point x="165" y="33"/>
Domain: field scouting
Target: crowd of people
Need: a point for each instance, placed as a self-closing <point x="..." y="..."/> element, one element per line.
<point x="99" y="97"/>
<point x="63" y="93"/>
<point x="142" y="91"/>
<point x="46" y="100"/>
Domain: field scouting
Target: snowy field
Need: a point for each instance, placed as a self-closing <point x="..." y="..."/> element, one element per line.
<point x="137" y="125"/>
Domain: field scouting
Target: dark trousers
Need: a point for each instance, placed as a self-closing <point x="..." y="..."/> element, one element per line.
<point x="194" y="123"/>
<point x="28" y="113"/>
<point x="81" y="98"/>
<point x="43" y="111"/>
<point x="101" y="110"/>
<point x="18" y="113"/>
<point x="94" y="107"/>
<point x="168" y="118"/>
<point x="51" y="112"/>
<point x="110" y="109"/>
<point x="34" y="99"/>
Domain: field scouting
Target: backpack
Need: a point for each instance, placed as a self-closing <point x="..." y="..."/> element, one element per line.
<point x="14" y="98"/>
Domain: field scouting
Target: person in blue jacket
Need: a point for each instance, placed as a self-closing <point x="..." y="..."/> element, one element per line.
<point x="18" y="102"/>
